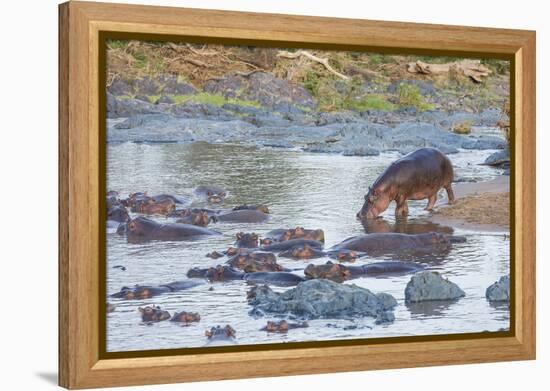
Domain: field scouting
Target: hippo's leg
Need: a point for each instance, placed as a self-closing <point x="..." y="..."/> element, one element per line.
<point x="431" y="202"/>
<point x="402" y="209"/>
<point x="450" y="193"/>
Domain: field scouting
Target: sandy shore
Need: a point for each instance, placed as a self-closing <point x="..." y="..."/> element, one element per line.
<point x="480" y="206"/>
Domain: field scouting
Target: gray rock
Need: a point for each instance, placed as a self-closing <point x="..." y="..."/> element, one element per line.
<point x="484" y="142"/>
<point x="498" y="158"/>
<point x="385" y="317"/>
<point x="263" y="88"/>
<point x="146" y="86"/>
<point x="425" y="87"/>
<point x="361" y="151"/>
<point x="120" y="87"/>
<point x="431" y="286"/>
<point x="164" y="99"/>
<point x="322" y="298"/>
<point x="500" y="290"/>
<point x="122" y="107"/>
<point x="143" y="98"/>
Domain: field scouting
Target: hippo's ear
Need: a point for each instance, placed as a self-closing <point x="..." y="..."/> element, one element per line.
<point x="223" y="194"/>
<point x="141" y="310"/>
<point x="239" y="235"/>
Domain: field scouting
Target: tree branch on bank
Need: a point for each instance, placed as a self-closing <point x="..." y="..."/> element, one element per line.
<point x="308" y="55"/>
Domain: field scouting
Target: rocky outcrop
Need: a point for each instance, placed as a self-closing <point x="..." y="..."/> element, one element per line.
<point x="264" y="88"/>
<point x="322" y="299"/>
<point x="431" y="286"/>
<point x="499" y="291"/>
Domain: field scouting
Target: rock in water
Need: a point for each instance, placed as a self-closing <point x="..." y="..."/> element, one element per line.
<point x="498" y="158"/>
<point x="429" y="286"/>
<point x="500" y="290"/>
<point x="322" y="299"/>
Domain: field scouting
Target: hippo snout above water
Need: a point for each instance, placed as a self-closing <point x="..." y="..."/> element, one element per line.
<point x="213" y="193"/>
<point x="416" y="176"/>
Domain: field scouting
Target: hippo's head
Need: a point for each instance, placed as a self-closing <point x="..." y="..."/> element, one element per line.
<point x="216" y="273"/>
<point x="118" y="213"/>
<point x="436" y="239"/>
<point x="376" y="201"/>
<point x="153" y="314"/>
<point x="346" y="256"/>
<point x="186" y="317"/>
<point x="329" y="271"/>
<point x="247" y="240"/>
<point x="215" y="197"/>
<point x="226" y="332"/>
<point x="301" y="252"/>
<point x="277" y="327"/>
<point x="201" y="219"/>
<point x="140" y="227"/>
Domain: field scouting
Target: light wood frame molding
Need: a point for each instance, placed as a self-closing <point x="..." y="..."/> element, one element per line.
<point x="80" y="24"/>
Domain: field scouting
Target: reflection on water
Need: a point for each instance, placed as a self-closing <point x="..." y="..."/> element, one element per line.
<point x="301" y="189"/>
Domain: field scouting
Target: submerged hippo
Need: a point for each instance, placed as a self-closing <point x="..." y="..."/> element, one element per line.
<point x="118" y="213"/>
<point x="283" y="326"/>
<point x="394" y="243"/>
<point x="344" y="255"/>
<point x="241" y="216"/>
<point x="140" y="292"/>
<point x="212" y="193"/>
<point x="152" y="314"/>
<point x="255" y="262"/>
<point x="175" y="199"/>
<point x="284" y="234"/>
<point x="289" y="244"/>
<point x="247" y="240"/>
<point x="142" y="228"/>
<point x="185" y="317"/>
<point x="152" y="207"/>
<point x="200" y="219"/>
<point x="221" y="334"/>
<point x="226" y="273"/>
<point x="416" y="176"/>
<point x="339" y="273"/>
<point x="304" y="251"/>
<point x="260" y="207"/>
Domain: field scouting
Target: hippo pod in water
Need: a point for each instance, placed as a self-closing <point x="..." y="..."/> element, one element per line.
<point x="212" y="193"/>
<point x="282" y="326"/>
<point x="241" y="216"/>
<point x="395" y="243"/>
<point x="289" y="244"/>
<point x="225" y="273"/>
<point x="285" y="234"/>
<point x="147" y="291"/>
<point x="255" y="262"/>
<point x="142" y="228"/>
<point x="339" y="273"/>
<point x="416" y="176"/>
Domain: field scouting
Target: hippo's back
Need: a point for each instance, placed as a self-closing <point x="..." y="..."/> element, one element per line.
<point x="423" y="166"/>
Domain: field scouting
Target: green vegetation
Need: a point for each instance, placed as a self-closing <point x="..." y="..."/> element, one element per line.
<point x="213" y="99"/>
<point x="372" y="102"/>
<point x="409" y="96"/>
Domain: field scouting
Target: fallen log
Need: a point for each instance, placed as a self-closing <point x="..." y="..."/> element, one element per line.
<point x="470" y="68"/>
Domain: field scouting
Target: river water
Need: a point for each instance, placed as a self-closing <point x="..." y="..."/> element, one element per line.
<point x="301" y="189"/>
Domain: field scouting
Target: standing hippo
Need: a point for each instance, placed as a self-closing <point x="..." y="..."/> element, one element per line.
<point x="142" y="228"/>
<point x="212" y="193"/>
<point x="416" y="176"/>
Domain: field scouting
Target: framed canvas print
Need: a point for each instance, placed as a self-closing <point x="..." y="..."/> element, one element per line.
<point x="265" y="194"/>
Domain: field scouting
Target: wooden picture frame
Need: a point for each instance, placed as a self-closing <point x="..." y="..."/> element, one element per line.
<point x="81" y="25"/>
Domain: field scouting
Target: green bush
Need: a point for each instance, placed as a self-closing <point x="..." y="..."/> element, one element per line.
<point x="409" y="96"/>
